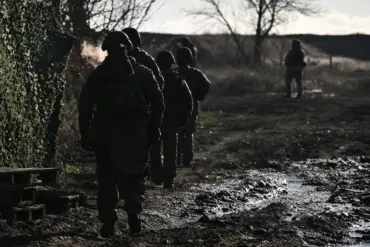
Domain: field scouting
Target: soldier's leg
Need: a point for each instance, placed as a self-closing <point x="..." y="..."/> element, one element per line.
<point x="107" y="199"/>
<point x="288" y="83"/>
<point x="298" y="79"/>
<point x="180" y="146"/>
<point x="170" y="158"/>
<point x="188" y="145"/>
<point x="156" y="162"/>
<point x="133" y="189"/>
<point x="188" y="148"/>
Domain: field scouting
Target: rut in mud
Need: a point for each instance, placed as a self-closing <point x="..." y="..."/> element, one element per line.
<point x="268" y="172"/>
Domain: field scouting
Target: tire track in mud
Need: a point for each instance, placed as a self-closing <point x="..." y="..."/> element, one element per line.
<point x="224" y="194"/>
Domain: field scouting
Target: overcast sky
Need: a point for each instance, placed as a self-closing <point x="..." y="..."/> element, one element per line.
<point x="341" y="17"/>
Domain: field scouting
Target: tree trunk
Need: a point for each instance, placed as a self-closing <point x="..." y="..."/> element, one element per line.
<point x="257" y="49"/>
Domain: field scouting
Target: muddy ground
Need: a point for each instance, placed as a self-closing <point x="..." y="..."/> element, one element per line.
<point x="268" y="172"/>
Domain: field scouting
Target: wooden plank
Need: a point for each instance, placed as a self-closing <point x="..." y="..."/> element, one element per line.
<point x="26" y="170"/>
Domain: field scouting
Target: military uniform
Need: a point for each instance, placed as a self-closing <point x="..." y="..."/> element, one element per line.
<point x="121" y="146"/>
<point x="179" y="106"/>
<point x="199" y="86"/>
<point x="155" y="168"/>
<point x="145" y="59"/>
<point x="294" y="62"/>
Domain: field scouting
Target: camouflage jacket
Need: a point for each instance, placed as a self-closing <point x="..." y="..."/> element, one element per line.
<point x="178" y="100"/>
<point x="155" y="101"/>
<point x="126" y="151"/>
<point x="143" y="58"/>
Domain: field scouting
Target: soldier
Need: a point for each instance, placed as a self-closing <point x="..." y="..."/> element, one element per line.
<point x="185" y="42"/>
<point x="121" y="132"/>
<point x="155" y="169"/>
<point x="294" y="62"/>
<point x="199" y="86"/>
<point x="179" y="106"/>
<point x="143" y="58"/>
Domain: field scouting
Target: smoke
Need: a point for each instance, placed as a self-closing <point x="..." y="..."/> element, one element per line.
<point x="93" y="54"/>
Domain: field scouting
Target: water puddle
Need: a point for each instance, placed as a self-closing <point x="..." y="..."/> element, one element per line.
<point x="252" y="190"/>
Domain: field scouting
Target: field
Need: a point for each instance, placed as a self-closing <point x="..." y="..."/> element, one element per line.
<point x="268" y="171"/>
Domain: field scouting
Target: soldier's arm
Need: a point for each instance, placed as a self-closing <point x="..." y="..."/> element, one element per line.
<point x="187" y="98"/>
<point x="204" y="84"/>
<point x="287" y="58"/>
<point x="302" y="57"/>
<point x="195" y="54"/>
<point x="87" y="101"/>
<point x="154" y="96"/>
<point x="156" y="71"/>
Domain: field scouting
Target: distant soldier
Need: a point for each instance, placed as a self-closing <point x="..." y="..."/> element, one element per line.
<point x="199" y="86"/>
<point x="145" y="59"/>
<point x="294" y="62"/>
<point x="179" y="106"/>
<point x="121" y="124"/>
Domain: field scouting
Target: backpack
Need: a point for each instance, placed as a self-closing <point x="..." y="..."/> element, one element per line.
<point x="198" y="83"/>
<point x="121" y="101"/>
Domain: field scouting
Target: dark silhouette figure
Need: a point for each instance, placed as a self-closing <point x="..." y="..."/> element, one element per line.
<point x="120" y="131"/>
<point x="199" y="86"/>
<point x="145" y="59"/>
<point x="294" y="62"/>
<point x="179" y="106"/>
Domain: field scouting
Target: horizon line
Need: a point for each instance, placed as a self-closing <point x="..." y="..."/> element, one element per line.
<point x="273" y="34"/>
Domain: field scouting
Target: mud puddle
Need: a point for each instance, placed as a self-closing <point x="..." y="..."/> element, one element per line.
<point x="253" y="190"/>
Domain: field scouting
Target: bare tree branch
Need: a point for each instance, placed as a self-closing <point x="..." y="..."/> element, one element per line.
<point x="267" y="15"/>
<point x="215" y="12"/>
<point x="106" y="14"/>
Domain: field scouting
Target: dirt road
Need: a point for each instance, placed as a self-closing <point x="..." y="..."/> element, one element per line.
<point x="268" y="172"/>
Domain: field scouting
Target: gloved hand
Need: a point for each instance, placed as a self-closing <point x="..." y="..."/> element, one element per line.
<point x="86" y="143"/>
<point x="154" y="135"/>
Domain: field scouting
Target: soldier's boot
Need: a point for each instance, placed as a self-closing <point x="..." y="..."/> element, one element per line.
<point x="134" y="223"/>
<point x="107" y="230"/>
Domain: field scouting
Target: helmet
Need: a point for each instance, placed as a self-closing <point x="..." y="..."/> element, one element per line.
<point x="165" y="59"/>
<point x="184" y="56"/>
<point x="296" y="43"/>
<point x="115" y="40"/>
<point x="185" y="41"/>
<point x="134" y="36"/>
